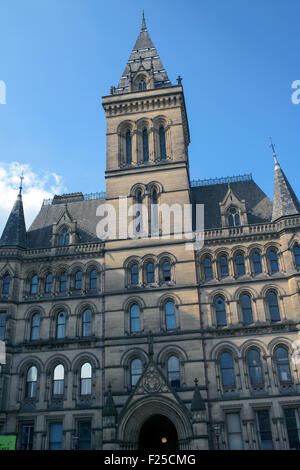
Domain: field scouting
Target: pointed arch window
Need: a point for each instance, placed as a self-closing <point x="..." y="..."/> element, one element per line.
<point x="255" y="367"/>
<point x="272" y="301"/>
<point x="170" y="318"/>
<point x="134" y="274"/>
<point x="246" y="306"/>
<point x="162" y="143"/>
<point x="227" y="370"/>
<point x="174" y="371"/>
<point x="64" y="237"/>
<point x="31" y="382"/>
<point x="240" y="264"/>
<point x="93" y="279"/>
<point x="283" y="364"/>
<point x="166" y="271"/>
<point x="139" y="214"/>
<point x="34" y="285"/>
<point x="35" y="327"/>
<point x="87" y="322"/>
<point x="145" y="145"/>
<point x="273" y="260"/>
<point x="296" y="251"/>
<point x="58" y="380"/>
<point x="2" y="326"/>
<point x="63" y="282"/>
<point x="142" y="85"/>
<point x="150" y="273"/>
<point x="220" y="311"/>
<point x="61" y="325"/>
<point x="78" y="280"/>
<point x="6" y="284"/>
<point x="48" y="283"/>
<point x="86" y="379"/>
<point x="135" y="318"/>
<point x="256" y="261"/>
<point x="154" y="213"/>
<point x="136" y="369"/>
<point x="207" y="268"/>
<point x="233" y="218"/>
<point x="223" y="263"/>
<point x="128" y="147"/>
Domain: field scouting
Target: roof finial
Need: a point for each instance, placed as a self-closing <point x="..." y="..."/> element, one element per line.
<point x="21" y="184"/>
<point x="274" y="153"/>
<point x="144" y="22"/>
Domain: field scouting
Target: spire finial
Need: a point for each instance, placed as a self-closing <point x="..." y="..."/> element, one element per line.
<point x="274" y="153"/>
<point x="21" y="184"/>
<point x="144" y="22"/>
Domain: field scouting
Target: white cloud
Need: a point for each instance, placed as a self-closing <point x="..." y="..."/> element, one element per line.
<point x="36" y="187"/>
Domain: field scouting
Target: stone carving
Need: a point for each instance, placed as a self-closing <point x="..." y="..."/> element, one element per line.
<point x="152" y="382"/>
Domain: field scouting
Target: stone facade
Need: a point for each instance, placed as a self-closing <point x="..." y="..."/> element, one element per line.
<point x="112" y="344"/>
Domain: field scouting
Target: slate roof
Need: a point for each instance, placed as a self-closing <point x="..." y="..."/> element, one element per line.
<point x="141" y="54"/>
<point x="258" y="205"/>
<point x="286" y="202"/>
<point x="14" y="233"/>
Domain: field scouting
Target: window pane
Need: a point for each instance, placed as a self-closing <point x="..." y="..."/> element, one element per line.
<point x="227" y="370"/>
<point x="264" y="430"/>
<point x="145" y="146"/>
<point x="273" y="306"/>
<point x="297" y="255"/>
<point x="220" y="311"/>
<point x="255" y="368"/>
<point x="170" y="315"/>
<point x="6" y="284"/>
<point x="240" y="265"/>
<point x="128" y="147"/>
<point x="61" y="325"/>
<point x="55" y="442"/>
<point x="224" y="266"/>
<point x="292" y="425"/>
<point x="283" y="365"/>
<point x="93" y="279"/>
<point x="85" y="435"/>
<point x="174" y="371"/>
<point x="48" y="283"/>
<point x="2" y="325"/>
<point x="235" y="439"/>
<point x="150" y="272"/>
<point x="256" y="260"/>
<point x="208" y="273"/>
<point x="34" y="285"/>
<point x="134" y="318"/>
<point x="162" y="142"/>
<point x="134" y="274"/>
<point x="27" y="437"/>
<point x="273" y="261"/>
<point x="78" y="280"/>
<point x="247" y="308"/>
<point x="63" y="282"/>
<point x="166" y="268"/>
<point x="136" y="371"/>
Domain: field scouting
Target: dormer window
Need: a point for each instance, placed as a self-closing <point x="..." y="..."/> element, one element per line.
<point x="64" y="237"/>
<point x="233" y="218"/>
<point x="142" y="85"/>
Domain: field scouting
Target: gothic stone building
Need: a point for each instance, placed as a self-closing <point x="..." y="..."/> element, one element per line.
<point x="141" y="343"/>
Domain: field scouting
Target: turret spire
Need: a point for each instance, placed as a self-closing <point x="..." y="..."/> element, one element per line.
<point x="285" y="201"/>
<point x="14" y="233"/>
<point x="144" y="27"/>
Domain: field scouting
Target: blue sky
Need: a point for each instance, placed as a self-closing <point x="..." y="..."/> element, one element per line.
<point x="238" y="59"/>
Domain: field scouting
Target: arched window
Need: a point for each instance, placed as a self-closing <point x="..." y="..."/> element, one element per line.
<point x="128" y="148"/>
<point x="283" y="364"/>
<point x="207" y="268"/>
<point x="58" y="380"/>
<point x="31" y="382"/>
<point x="6" y="284"/>
<point x="134" y="318"/>
<point x="273" y="260"/>
<point x="35" y="327"/>
<point x="48" y="283"/>
<point x="64" y="237"/>
<point x="150" y="273"/>
<point x="223" y="263"/>
<point x="227" y="370"/>
<point x="78" y="280"/>
<point x="170" y="318"/>
<point x="273" y="306"/>
<point x="233" y="218"/>
<point x="139" y="213"/>
<point x="174" y="371"/>
<point x="61" y="325"/>
<point x="142" y="85"/>
<point x="296" y="251"/>
<point x="34" y="285"/>
<point x="255" y="368"/>
<point x="162" y="143"/>
<point x="87" y="323"/>
<point x="2" y="326"/>
<point x="134" y="274"/>
<point x="246" y="306"/>
<point x="63" y="282"/>
<point x="240" y="264"/>
<point x="154" y="213"/>
<point x="145" y="145"/>
<point x="86" y="379"/>
<point x="93" y="279"/>
<point x="136" y="369"/>
<point x="256" y="261"/>
<point x="166" y="271"/>
<point x="220" y="311"/>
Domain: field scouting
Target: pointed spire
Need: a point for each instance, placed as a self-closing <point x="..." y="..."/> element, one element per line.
<point x="197" y="402"/>
<point x="110" y="407"/>
<point x="14" y="233"/>
<point x="143" y="56"/>
<point x="285" y="201"/>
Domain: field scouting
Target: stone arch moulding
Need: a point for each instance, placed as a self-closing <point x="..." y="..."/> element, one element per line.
<point x="139" y="412"/>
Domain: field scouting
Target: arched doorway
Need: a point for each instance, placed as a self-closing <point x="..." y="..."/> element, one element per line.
<point x="158" y="433"/>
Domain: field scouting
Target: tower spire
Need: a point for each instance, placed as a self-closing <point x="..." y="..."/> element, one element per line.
<point x="274" y="153"/>
<point x="14" y="233"/>
<point x="144" y="27"/>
